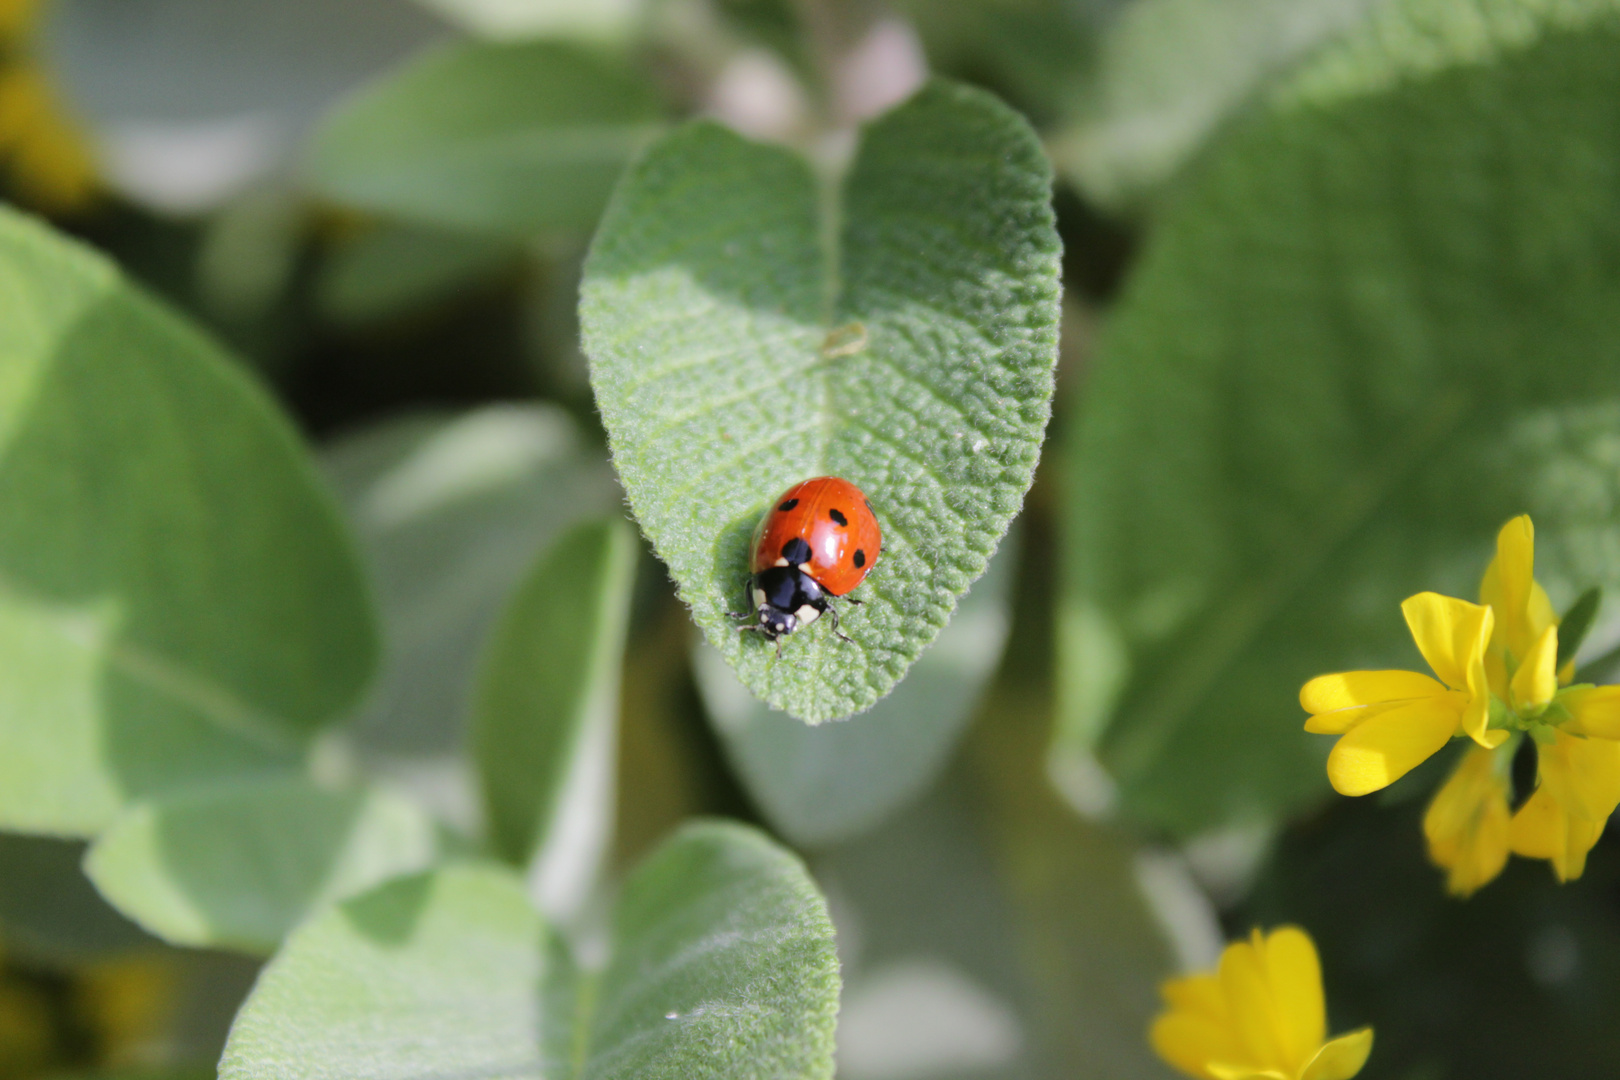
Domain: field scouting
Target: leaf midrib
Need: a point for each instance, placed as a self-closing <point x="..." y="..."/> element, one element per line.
<point x="207" y="697"/>
<point x="1262" y="599"/>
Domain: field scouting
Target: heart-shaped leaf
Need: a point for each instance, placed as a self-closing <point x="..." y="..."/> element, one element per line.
<point x="1376" y="325"/>
<point x="178" y="599"/>
<point x="748" y="330"/>
<point x="722" y="966"/>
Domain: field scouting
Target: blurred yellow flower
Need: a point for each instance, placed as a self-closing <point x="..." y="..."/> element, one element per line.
<point x="1578" y="788"/>
<point x="130" y="1005"/>
<point x="1392" y="721"/>
<point x="16" y="19"/>
<point x="50" y="161"/>
<point x="1466" y="824"/>
<point x="1259" y="1016"/>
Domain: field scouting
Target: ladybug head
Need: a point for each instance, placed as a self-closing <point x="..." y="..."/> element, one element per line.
<point x="775" y="623"/>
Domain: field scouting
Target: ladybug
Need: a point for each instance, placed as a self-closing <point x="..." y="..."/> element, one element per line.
<point x="819" y="541"/>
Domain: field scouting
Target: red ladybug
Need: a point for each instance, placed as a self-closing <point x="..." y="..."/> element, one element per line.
<point x="819" y="540"/>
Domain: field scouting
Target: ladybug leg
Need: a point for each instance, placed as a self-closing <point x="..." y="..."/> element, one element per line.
<point x="839" y="634"/>
<point x="853" y="600"/>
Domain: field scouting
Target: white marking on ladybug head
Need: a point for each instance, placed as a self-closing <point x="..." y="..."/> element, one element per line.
<point x="807" y="614"/>
<point x="780" y="562"/>
<point x="759" y="598"/>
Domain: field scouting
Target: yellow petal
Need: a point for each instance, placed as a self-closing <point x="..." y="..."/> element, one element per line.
<point x="1342" y="1058"/>
<point x="1582" y="774"/>
<point x="1536" y="681"/>
<point x="1199" y="994"/>
<point x="1466" y="824"/>
<point x="1596" y="711"/>
<point x="1295" y="976"/>
<point x="1543" y="830"/>
<point x="1190" y="1043"/>
<point x="1508" y="581"/>
<point x="1253" y="1012"/>
<point x="1348" y="689"/>
<point x="1450" y="633"/>
<point x="1341" y="701"/>
<point x="1224" y="1070"/>
<point x="1380" y="751"/>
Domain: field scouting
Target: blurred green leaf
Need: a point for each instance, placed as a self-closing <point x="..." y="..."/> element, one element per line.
<point x="823" y="784"/>
<point x="249" y="253"/>
<point x="1374" y="327"/>
<point x="747" y="333"/>
<point x="545" y="718"/>
<point x="1576" y="623"/>
<point x="178" y="600"/>
<point x="1170" y="71"/>
<point x="513" y="20"/>
<point x="395" y="270"/>
<point x="1041" y="53"/>
<point x="189" y="103"/>
<point x="722" y="965"/>
<point x="49" y="911"/>
<point x="239" y="867"/>
<point x="450" y="512"/>
<point x="510" y="139"/>
<point x="988" y="933"/>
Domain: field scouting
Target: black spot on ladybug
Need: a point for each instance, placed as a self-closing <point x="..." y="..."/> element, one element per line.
<point x="860" y="558"/>
<point x="838" y="516"/>
<point x="790" y="504"/>
<point x="796" y="551"/>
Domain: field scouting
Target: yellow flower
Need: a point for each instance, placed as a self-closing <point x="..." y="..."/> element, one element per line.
<point x="1466" y="824"/>
<point x="50" y="160"/>
<point x="1392" y="721"/>
<point x="16" y="19"/>
<point x="1523" y="612"/>
<point x="1578" y="788"/>
<point x="1260" y="1016"/>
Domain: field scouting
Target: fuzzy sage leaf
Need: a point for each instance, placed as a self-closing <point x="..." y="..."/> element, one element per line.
<point x="748" y="330"/>
<point x="179" y="602"/>
<point x="722" y="965"/>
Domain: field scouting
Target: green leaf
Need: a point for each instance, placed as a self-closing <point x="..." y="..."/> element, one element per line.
<point x="822" y="784"/>
<point x="450" y="511"/>
<point x="395" y="271"/>
<point x="511" y="139"/>
<point x="178" y="600"/>
<point x="746" y="333"/>
<point x="186" y="108"/>
<point x="1577" y="623"/>
<point x="992" y="933"/>
<point x="1171" y="71"/>
<point x="545" y="719"/>
<point x="516" y="20"/>
<point x="239" y="867"/>
<point x="1373" y="328"/>
<point x="50" y="913"/>
<point x="722" y="965"/>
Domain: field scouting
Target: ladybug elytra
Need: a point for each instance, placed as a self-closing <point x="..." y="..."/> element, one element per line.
<point x="819" y="541"/>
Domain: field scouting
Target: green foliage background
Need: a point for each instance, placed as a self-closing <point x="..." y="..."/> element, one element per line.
<point x="369" y="517"/>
